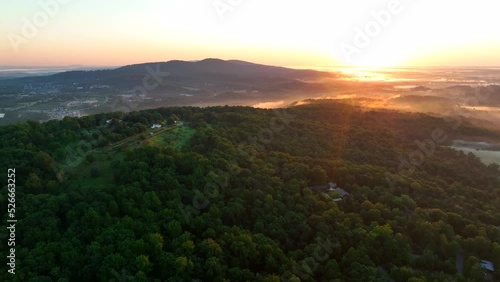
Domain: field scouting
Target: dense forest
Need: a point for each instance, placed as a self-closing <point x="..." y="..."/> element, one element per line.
<point x="229" y="194"/>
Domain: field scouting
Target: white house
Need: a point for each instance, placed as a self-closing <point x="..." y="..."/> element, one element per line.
<point x="156" y="126"/>
<point x="341" y="192"/>
<point x="332" y="185"/>
<point x="487" y="265"/>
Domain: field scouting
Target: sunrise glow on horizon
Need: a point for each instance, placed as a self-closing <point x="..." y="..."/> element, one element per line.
<point x="386" y="33"/>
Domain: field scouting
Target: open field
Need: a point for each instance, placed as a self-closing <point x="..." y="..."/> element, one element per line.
<point x="97" y="170"/>
<point x="486" y="156"/>
<point x="177" y="137"/>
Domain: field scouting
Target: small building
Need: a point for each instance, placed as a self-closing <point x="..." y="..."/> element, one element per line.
<point x="331" y="186"/>
<point x="156" y="125"/>
<point x="2" y="115"/>
<point x="487" y="265"/>
<point x="341" y="192"/>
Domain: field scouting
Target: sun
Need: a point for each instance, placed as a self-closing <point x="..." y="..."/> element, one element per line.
<point x="370" y="68"/>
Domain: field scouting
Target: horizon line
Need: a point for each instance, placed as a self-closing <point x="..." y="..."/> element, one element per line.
<point x="76" y="66"/>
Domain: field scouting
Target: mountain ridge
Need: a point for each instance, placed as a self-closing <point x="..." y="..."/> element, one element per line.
<point x="176" y="68"/>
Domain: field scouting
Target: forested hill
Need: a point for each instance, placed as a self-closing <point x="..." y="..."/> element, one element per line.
<point x="208" y="70"/>
<point x="231" y="194"/>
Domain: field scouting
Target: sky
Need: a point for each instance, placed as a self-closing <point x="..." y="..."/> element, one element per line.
<point x="361" y="33"/>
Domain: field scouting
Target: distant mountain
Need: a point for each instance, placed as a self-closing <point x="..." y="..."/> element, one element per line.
<point x="207" y="70"/>
<point x="420" y="89"/>
<point x="221" y="67"/>
<point x="12" y="72"/>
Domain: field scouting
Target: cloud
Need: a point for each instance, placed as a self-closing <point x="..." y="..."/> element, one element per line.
<point x="269" y="105"/>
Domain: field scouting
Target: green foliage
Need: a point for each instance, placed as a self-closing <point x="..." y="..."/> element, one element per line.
<point x="227" y="198"/>
<point x="94" y="172"/>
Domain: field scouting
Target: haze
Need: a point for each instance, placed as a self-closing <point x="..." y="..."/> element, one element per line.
<point x="287" y="33"/>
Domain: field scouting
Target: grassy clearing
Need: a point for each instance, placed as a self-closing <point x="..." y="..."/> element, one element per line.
<point x="177" y="137"/>
<point x="96" y="170"/>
